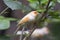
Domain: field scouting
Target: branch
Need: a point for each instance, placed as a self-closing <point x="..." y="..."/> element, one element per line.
<point x="45" y="12"/>
<point x="43" y="15"/>
<point x="4" y="10"/>
<point x="21" y="36"/>
<point x="28" y="36"/>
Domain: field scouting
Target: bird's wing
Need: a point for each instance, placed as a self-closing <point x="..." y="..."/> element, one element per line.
<point x="23" y="20"/>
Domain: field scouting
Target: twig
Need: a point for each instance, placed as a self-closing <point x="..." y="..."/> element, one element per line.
<point x="43" y="15"/>
<point x="27" y="37"/>
<point x="45" y="12"/>
<point x="21" y="37"/>
<point x="4" y="10"/>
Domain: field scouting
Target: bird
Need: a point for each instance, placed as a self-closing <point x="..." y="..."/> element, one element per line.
<point x="30" y="17"/>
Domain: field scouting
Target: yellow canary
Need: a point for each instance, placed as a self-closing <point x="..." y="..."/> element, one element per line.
<point x="28" y="18"/>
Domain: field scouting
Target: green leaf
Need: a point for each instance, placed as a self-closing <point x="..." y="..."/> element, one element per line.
<point x="55" y="20"/>
<point x="1" y="17"/>
<point x="4" y="24"/>
<point x="26" y="9"/>
<point x="44" y="1"/>
<point x="34" y="5"/>
<point x="11" y="19"/>
<point x="41" y="10"/>
<point x="58" y="1"/>
<point x="14" y="5"/>
<point x="54" y="13"/>
<point x="52" y="4"/>
<point x="31" y="1"/>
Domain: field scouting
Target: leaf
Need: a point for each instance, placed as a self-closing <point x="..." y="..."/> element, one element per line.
<point x="26" y="9"/>
<point x="34" y="5"/>
<point x="52" y="4"/>
<point x="14" y="5"/>
<point x="11" y="19"/>
<point x="44" y="1"/>
<point x="1" y="17"/>
<point x="4" y="24"/>
<point x="58" y="1"/>
<point x="41" y="10"/>
<point x="31" y="1"/>
<point x="55" y="20"/>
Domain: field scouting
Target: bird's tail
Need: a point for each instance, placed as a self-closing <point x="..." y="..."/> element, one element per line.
<point x="18" y="26"/>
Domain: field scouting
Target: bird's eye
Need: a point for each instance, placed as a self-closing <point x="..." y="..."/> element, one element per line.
<point x="35" y="12"/>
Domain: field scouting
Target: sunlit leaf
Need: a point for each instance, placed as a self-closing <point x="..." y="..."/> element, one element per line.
<point x="44" y="1"/>
<point x="31" y="1"/>
<point x="4" y="24"/>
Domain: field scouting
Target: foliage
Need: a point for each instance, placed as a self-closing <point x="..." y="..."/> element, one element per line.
<point x="5" y="22"/>
<point x="15" y="5"/>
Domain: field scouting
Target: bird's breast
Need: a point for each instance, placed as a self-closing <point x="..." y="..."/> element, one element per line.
<point x="31" y="18"/>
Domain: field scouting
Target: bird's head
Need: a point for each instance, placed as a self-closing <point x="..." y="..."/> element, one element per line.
<point x="35" y="13"/>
